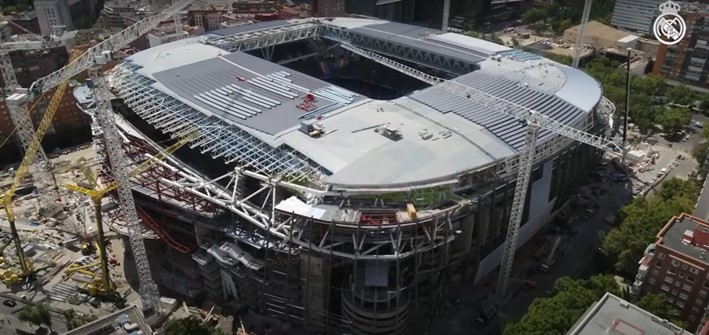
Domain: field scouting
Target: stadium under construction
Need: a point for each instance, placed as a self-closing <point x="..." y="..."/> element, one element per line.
<point x="332" y="192"/>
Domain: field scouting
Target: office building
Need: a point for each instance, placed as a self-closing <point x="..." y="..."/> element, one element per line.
<point x="635" y="15"/>
<point x="52" y="14"/>
<point x="329" y="8"/>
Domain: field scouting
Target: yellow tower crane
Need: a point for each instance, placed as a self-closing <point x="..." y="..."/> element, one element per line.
<point x="103" y="286"/>
<point x="27" y="271"/>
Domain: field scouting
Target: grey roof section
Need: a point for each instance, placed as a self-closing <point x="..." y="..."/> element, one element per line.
<point x="417" y="37"/>
<point x="612" y="312"/>
<point x="507" y="128"/>
<point x="252" y="92"/>
<point x="249" y="27"/>
<point x="674" y="235"/>
<point x="359" y="156"/>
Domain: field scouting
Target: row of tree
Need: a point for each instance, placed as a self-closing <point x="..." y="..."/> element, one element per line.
<point x="623" y="247"/>
<point x="564" y="14"/>
<point x="649" y="96"/>
<point x="643" y="218"/>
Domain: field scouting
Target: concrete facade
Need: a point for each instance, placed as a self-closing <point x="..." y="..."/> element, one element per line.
<point x="51" y="13"/>
<point x="635" y="15"/>
<point x="687" y="61"/>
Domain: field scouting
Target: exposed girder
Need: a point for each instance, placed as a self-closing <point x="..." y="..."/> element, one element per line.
<point x="265" y="38"/>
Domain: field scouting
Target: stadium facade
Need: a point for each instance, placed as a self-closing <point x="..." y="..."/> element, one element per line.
<point x="311" y="203"/>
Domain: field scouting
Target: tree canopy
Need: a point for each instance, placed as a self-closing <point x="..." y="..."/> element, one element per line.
<point x="76" y="320"/>
<point x="566" y="13"/>
<point x="673" y="119"/>
<point x="569" y="300"/>
<point x="642" y="219"/>
<point x="36" y="315"/>
<point x="190" y="326"/>
<point x="656" y="303"/>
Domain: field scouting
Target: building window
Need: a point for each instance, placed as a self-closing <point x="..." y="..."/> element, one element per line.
<point x="665" y="287"/>
<point x="683" y="296"/>
<point x="702" y="293"/>
<point x="687" y="288"/>
<point x="706" y="284"/>
<point x="651" y="281"/>
<point x="675" y="263"/>
<point x="672" y="271"/>
<point x="694" y="270"/>
<point x="669" y="279"/>
<point x="690" y="279"/>
<point x="680" y="303"/>
<point x="660" y="256"/>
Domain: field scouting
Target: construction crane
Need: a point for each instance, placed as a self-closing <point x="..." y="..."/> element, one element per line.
<point x="10" y="277"/>
<point x="93" y="59"/>
<point x="103" y="285"/>
<point x="446" y="15"/>
<point x="582" y="29"/>
<point x="534" y="122"/>
<point x="40" y="169"/>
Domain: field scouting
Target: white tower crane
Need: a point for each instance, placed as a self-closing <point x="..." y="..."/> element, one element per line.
<point x="534" y="122"/>
<point x="446" y="15"/>
<point x="40" y="169"/>
<point x="93" y="60"/>
<point x="582" y="29"/>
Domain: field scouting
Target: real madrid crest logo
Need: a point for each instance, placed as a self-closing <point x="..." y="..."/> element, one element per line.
<point x="669" y="27"/>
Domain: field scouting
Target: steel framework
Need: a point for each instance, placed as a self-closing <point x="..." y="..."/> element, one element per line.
<point x="418" y="55"/>
<point x="216" y="137"/>
<point x="265" y="38"/>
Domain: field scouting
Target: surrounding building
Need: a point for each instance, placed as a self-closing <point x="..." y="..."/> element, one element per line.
<point x="417" y="186"/>
<point x="209" y="19"/>
<point x="330" y="8"/>
<point x="52" y="14"/>
<point x="31" y="65"/>
<point x="126" y="321"/>
<point x="117" y="15"/>
<point x="27" y="20"/>
<point x="676" y="265"/>
<point x="167" y="33"/>
<point x="598" y="35"/>
<point x="615" y="316"/>
<point x="635" y="15"/>
<point x="398" y="11"/>
<point x="686" y="61"/>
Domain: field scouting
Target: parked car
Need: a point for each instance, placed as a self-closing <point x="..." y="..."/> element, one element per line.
<point x="9" y="303"/>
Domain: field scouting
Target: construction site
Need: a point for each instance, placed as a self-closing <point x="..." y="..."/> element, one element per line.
<point x="333" y="175"/>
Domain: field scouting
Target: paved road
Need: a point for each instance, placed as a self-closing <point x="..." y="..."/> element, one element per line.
<point x="9" y="321"/>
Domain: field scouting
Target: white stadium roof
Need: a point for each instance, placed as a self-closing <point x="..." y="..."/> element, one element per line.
<point x="260" y="98"/>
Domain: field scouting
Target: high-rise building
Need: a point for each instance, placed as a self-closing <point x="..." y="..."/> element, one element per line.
<point x="635" y="15"/>
<point x="676" y="265"/>
<point x="51" y="14"/>
<point x="687" y="61"/>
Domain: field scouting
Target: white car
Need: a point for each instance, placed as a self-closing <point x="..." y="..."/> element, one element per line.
<point x="699" y="124"/>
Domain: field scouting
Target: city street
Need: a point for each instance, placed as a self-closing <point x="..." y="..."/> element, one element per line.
<point x="9" y="323"/>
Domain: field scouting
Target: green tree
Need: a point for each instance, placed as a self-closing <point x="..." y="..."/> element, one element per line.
<point x="673" y="119"/>
<point x="569" y="300"/>
<point x="704" y="102"/>
<point x="551" y="10"/>
<point x="656" y="303"/>
<point x="681" y="95"/>
<point x="642" y="219"/>
<point x="514" y="41"/>
<point x="37" y="314"/>
<point x="190" y="326"/>
<point x="649" y="66"/>
<point x="76" y="320"/>
<point x="699" y="152"/>
<point x="533" y="15"/>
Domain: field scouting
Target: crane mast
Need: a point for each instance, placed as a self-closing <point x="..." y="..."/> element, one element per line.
<point x="104" y="116"/>
<point x="446" y="15"/>
<point x="582" y="30"/>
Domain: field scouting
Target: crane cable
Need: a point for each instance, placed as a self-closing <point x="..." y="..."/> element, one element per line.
<point x="9" y="136"/>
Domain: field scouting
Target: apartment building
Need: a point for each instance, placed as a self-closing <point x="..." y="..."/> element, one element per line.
<point x="676" y="265"/>
<point x="686" y="61"/>
<point x="635" y="15"/>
